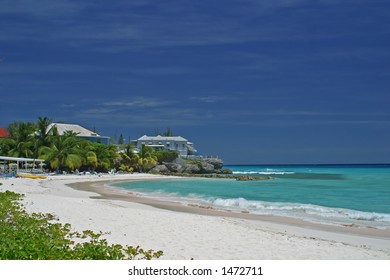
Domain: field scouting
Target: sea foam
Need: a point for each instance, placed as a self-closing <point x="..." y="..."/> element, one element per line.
<point x="315" y="213"/>
<point x="263" y="172"/>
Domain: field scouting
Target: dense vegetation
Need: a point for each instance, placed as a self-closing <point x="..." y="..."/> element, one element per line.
<point x="37" y="237"/>
<point x="68" y="152"/>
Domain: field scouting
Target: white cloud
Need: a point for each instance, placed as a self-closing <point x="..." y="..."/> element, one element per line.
<point x="139" y="102"/>
<point x="212" y="98"/>
<point x="122" y="27"/>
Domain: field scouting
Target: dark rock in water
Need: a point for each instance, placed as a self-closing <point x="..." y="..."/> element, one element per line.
<point x="224" y="176"/>
<point x="252" y="178"/>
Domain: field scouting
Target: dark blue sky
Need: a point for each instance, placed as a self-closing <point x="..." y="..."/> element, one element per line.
<point x="252" y="81"/>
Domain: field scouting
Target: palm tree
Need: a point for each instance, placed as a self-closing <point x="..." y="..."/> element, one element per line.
<point x="23" y="135"/>
<point x="6" y="145"/>
<point x="64" y="152"/>
<point x="23" y="149"/>
<point x="43" y="133"/>
<point x="70" y="133"/>
<point x="21" y="131"/>
<point x="105" y="154"/>
<point x="147" y="159"/>
<point x="88" y="155"/>
<point x="128" y="159"/>
<point x="91" y="159"/>
<point x="121" y="140"/>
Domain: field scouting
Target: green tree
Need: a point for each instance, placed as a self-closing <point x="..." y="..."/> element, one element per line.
<point x="86" y="149"/>
<point x="64" y="153"/>
<point x="6" y="145"/>
<point x="105" y="154"/>
<point x="147" y="159"/>
<point x="121" y="141"/>
<point x="128" y="159"/>
<point x="23" y="135"/>
<point x="22" y="131"/>
<point x="91" y="160"/>
<point x="166" y="156"/>
<point x="70" y="133"/>
<point x="168" y="132"/>
<point x="43" y="133"/>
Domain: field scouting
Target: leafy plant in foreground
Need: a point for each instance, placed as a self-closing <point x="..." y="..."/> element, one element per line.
<point x="38" y="237"/>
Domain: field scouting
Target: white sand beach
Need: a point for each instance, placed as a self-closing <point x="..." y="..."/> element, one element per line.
<point x="200" y="235"/>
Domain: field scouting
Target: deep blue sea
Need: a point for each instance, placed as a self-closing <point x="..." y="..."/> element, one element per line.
<point x="331" y="194"/>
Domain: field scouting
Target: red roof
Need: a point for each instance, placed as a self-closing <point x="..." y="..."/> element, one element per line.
<point x="4" y="132"/>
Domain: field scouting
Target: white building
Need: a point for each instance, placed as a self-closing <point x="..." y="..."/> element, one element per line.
<point x="81" y="132"/>
<point x="173" y="143"/>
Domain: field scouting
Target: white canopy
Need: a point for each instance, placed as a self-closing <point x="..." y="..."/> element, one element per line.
<point x="21" y="159"/>
<point x="25" y="160"/>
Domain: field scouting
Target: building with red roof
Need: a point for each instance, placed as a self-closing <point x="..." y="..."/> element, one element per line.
<point x="4" y="133"/>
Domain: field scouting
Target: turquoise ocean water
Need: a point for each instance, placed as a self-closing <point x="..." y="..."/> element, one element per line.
<point x="330" y="194"/>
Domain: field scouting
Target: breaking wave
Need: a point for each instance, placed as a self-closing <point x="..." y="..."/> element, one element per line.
<point x="263" y="172"/>
<point x="314" y="213"/>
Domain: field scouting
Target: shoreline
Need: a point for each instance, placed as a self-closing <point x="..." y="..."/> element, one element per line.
<point x="105" y="191"/>
<point x="185" y="232"/>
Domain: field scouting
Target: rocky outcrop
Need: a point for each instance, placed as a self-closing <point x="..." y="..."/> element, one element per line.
<point x="207" y="168"/>
<point x="160" y="169"/>
<point x="223" y="171"/>
<point x="191" y="166"/>
<point x="216" y="162"/>
<point x="251" y="178"/>
<point x="174" y="167"/>
<point x="228" y="176"/>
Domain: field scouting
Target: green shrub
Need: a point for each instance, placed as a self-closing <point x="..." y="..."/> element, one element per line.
<point x="38" y="237"/>
<point x="166" y="156"/>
